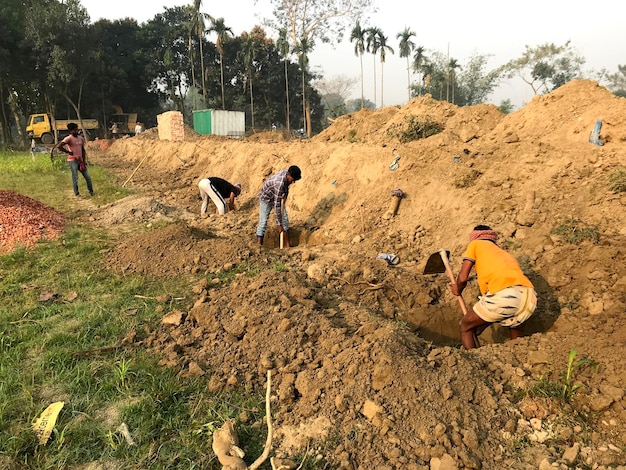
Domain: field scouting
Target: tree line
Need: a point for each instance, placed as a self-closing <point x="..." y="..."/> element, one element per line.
<point x="54" y="59"/>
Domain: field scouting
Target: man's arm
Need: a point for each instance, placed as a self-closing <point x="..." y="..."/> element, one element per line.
<point x="62" y="147"/>
<point x="231" y="201"/>
<point x="461" y="279"/>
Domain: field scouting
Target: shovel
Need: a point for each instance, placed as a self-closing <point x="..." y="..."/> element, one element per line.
<point x="438" y="263"/>
<point x="281" y="238"/>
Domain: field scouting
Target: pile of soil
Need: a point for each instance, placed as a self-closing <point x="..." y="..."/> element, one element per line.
<point x="367" y="368"/>
<point x="25" y="221"/>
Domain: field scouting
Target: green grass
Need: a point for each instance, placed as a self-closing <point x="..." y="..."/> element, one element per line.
<point x="51" y="182"/>
<point x="170" y="418"/>
<point x="617" y="180"/>
<point x="573" y="231"/>
<point x="565" y="388"/>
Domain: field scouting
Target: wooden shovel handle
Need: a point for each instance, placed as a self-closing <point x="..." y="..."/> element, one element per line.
<point x="446" y="263"/>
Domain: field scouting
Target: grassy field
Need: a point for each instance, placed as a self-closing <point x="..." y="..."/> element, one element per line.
<point x="170" y="418"/>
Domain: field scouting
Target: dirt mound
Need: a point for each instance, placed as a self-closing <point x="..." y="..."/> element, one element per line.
<point x="367" y="368"/>
<point x="176" y="249"/>
<point x="137" y="209"/>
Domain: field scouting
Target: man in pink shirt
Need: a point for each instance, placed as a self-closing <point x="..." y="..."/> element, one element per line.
<point x="74" y="146"/>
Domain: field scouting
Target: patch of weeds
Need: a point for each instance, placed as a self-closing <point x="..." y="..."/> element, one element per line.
<point x="520" y="443"/>
<point x="227" y="276"/>
<point x="564" y="389"/>
<point x="415" y="128"/>
<point x="467" y="180"/>
<point x="572" y="303"/>
<point x="402" y="324"/>
<point x="617" y="180"/>
<point x="574" y="232"/>
<point x="279" y="266"/>
<point x="352" y="136"/>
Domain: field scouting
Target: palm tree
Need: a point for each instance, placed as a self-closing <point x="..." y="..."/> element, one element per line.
<point x="358" y="36"/>
<point x="197" y="26"/>
<point x="453" y="64"/>
<point x="282" y="44"/>
<point x="303" y="49"/>
<point x="406" y="47"/>
<point x="383" y="47"/>
<point x="247" y="52"/>
<point x="219" y="27"/>
<point x="372" y="46"/>
<point x="418" y="64"/>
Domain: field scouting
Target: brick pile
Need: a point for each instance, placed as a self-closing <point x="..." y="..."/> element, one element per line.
<point x="171" y="126"/>
<point x="25" y="221"/>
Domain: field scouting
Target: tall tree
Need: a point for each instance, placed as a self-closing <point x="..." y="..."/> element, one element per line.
<point x="405" y="49"/>
<point x="311" y="20"/>
<point x="453" y="64"/>
<point x="335" y="92"/>
<point x="16" y="65"/>
<point x="358" y="37"/>
<point x="303" y="49"/>
<point x="223" y="32"/>
<point x="282" y="44"/>
<point x="419" y="59"/>
<point x="372" y="46"/>
<point x="384" y="48"/>
<point x="66" y="53"/>
<point x="546" y="66"/>
<point x="247" y="55"/>
<point x="166" y="43"/>
<point x="197" y="26"/>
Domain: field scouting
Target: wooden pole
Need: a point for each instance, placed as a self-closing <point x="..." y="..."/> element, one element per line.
<point x="135" y="171"/>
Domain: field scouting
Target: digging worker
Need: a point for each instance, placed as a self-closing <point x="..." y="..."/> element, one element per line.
<point x="273" y="195"/>
<point x="74" y="146"/>
<point x="508" y="297"/>
<point x="218" y="190"/>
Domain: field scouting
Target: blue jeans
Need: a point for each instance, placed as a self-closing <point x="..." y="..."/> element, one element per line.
<point x="74" y="168"/>
<point x="264" y="214"/>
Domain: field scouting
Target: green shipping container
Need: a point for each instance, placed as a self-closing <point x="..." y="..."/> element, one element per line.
<point x="219" y="122"/>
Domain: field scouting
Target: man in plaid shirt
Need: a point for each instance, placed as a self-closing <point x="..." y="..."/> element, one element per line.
<point x="272" y="196"/>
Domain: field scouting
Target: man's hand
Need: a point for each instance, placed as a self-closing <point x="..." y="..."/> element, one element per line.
<point x="231" y="206"/>
<point x="454" y="288"/>
<point x="280" y="229"/>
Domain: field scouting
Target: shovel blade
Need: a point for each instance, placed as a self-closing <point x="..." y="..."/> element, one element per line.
<point x="435" y="264"/>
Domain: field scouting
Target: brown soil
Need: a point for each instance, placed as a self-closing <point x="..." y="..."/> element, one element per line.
<point x="367" y="368"/>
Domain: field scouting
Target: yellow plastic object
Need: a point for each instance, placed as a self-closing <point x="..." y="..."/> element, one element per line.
<point x="44" y="425"/>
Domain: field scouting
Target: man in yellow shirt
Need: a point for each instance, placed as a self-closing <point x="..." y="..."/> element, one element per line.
<point x="508" y="297"/>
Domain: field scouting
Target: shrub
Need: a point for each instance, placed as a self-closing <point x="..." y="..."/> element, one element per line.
<point x="415" y="128"/>
<point x="617" y="180"/>
<point x="467" y="180"/>
<point x="572" y="231"/>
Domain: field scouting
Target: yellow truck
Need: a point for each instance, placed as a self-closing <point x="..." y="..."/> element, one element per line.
<point x="123" y="124"/>
<point x="47" y="129"/>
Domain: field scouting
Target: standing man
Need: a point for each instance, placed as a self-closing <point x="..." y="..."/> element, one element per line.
<point x="508" y="297"/>
<point x="273" y="195"/>
<point x="218" y="189"/>
<point x="74" y="146"/>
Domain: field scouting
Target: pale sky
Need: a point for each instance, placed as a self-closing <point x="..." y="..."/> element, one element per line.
<point x="459" y="27"/>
